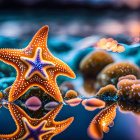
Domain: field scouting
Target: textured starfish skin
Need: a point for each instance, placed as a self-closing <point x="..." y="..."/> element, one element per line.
<point x="35" y="132"/>
<point x="22" y="83"/>
<point x="37" y="66"/>
<point x="26" y="125"/>
<point x="101" y="122"/>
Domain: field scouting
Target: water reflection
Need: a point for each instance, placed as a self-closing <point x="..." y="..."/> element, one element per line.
<point x="104" y="119"/>
<point x="37" y="125"/>
<point x="101" y="121"/>
<point x="33" y="128"/>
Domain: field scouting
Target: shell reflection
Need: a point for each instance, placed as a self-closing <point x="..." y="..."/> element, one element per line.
<point x="92" y="104"/>
<point x="73" y="102"/>
<point x="51" y="105"/>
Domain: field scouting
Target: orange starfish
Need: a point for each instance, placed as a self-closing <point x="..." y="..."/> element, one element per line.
<point x="101" y="121"/>
<point x="36" y="129"/>
<point x="35" y="66"/>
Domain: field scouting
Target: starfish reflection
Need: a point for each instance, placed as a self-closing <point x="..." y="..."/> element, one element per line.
<point x="37" y="129"/>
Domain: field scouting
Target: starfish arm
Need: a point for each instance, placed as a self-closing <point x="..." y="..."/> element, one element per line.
<point x="62" y="125"/>
<point x="43" y="72"/>
<point x="10" y="56"/>
<point x="19" y="87"/>
<point x="51" y="88"/>
<point x="17" y="113"/>
<point x="38" y="55"/>
<point x="59" y="126"/>
<point x="39" y="39"/>
<point x="62" y="68"/>
<point x="101" y="121"/>
<point x="52" y="114"/>
<point x="29" y="73"/>
<point x="27" y="61"/>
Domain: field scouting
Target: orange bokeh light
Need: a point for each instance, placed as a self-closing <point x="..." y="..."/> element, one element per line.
<point x="109" y="45"/>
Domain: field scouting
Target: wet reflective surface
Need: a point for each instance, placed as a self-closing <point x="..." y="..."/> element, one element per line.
<point x="126" y="119"/>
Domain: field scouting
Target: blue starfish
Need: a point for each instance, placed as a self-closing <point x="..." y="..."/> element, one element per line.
<point x="37" y="65"/>
<point x="35" y="132"/>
